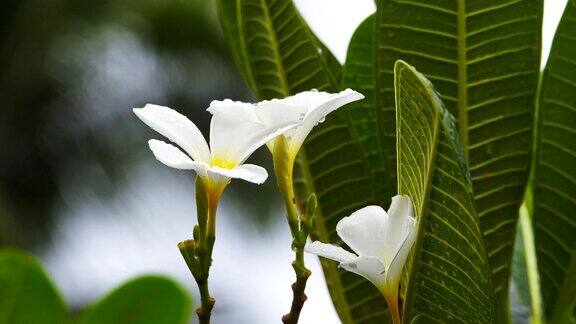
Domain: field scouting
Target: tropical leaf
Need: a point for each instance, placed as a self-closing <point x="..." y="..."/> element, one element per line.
<point x="483" y="57"/>
<point x="359" y="74"/>
<point x="554" y="195"/>
<point x="26" y="293"/>
<point x="275" y="49"/>
<point x="280" y="56"/>
<point x="147" y="299"/>
<point x="449" y="273"/>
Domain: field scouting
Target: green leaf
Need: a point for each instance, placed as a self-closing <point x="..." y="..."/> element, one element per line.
<point x="275" y="49"/>
<point x="147" y="299"/>
<point x="554" y="195"/>
<point x="27" y="295"/>
<point x="449" y="273"/>
<point x="359" y="74"/>
<point x="280" y="56"/>
<point x="230" y="15"/>
<point x="483" y="57"/>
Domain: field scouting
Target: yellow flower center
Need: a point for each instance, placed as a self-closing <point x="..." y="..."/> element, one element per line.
<point x="222" y="163"/>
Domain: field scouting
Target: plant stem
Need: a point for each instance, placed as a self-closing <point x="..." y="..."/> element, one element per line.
<point x="198" y="252"/>
<point x="299" y="226"/>
<point x="196" y="260"/>
<point x="205" y="310"/>
<point x="299" y="297"/>
<point x="298" y="242"/>
<point x="205" y="258"/>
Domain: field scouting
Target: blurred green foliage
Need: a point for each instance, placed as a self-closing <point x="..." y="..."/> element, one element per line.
<point x="145" y="300"/>
<point x="27" y="295"/>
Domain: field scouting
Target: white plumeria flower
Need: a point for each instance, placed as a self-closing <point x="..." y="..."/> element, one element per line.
<point x="307" y="108"/>
<point x="231" y="143"/>
<point x="381" y="241"/>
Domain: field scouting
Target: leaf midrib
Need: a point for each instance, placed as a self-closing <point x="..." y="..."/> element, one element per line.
<point x="242" y="44"/>
<point x="275" y="49"/>
<point x="462" y="79"/>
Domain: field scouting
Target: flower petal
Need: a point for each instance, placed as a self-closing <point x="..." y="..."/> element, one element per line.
<point x="361" y="230"/>
<point x="242" y="110"/>
<point x="394" y="271"/>
<point x="177" y="128"/>
<point x="171" y="156"/>
<point x="330" y="251"/>
<point x="274" y="113"/>
<point x="320" y="104"/>
<point x="232" y="141"/>
<point x="249" y="172"/>
<point x="368" y="267"/>
<point x="308" y="99"/>
<point x="401" y="215"/>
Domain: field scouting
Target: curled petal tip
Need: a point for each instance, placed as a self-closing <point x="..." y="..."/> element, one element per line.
<point x="353" y="92"/>
<point x="261" y="179"/>
<point x="138" y="111"/>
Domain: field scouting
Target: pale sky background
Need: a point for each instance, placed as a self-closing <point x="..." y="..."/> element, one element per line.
<point x="265" y="257"/>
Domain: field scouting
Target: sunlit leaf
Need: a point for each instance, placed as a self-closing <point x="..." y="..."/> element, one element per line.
<point x="27" y="296"/>
<point x="149" y="299"/>
<point x="449" y="276"/>
<point x="554" y="195"/>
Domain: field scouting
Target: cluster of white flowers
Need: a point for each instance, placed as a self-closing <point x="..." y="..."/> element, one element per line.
<point x="237" y="129"/>
<point x="380" y="239"/>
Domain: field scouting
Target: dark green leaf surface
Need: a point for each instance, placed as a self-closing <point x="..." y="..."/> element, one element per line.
<point x="145" y="300"/>
<point x="483" y="57"/>
<point x="449" y="275"/>
<point x="280" y="56"/>
<point x="27" y="296"/>
<point x="359" y="74"/>
<point x="554" y="196"/>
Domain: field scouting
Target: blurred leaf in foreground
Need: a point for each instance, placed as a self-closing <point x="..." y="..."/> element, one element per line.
<point x="27" y="295"/>
<point x="147" y="299"/>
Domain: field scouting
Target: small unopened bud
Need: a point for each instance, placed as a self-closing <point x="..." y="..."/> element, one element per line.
<point x="310" y="211"/>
